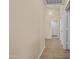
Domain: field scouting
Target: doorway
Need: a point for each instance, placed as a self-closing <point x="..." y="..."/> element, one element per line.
<point x="55" y="26"/>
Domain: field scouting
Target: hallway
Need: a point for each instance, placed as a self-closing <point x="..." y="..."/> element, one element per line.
<point x="33" y="21"/>
<point x="54" y="50"/>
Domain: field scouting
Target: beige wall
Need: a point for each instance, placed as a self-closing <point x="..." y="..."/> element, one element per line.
<point x="26" y="29"/>
<point x="55" y="10"/>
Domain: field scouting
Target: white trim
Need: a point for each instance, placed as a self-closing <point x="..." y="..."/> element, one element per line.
<point x="41" y="53"/>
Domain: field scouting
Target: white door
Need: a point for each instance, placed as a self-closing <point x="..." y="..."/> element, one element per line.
<point x="55" y="26"/>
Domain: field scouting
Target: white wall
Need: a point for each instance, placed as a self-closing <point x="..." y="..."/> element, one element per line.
<point x="26" y="29"/>
<point x="64" y="26"/>
<point x="65" y="30"/>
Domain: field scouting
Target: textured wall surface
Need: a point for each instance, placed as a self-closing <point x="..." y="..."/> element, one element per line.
<point x="26" y="29"/>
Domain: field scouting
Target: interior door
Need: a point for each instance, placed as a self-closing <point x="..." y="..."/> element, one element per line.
<point x="55" y="28"/>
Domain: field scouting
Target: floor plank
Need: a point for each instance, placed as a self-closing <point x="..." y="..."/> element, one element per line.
<point x="54" y="50"/>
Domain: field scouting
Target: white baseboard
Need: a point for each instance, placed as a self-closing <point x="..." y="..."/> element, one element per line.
<point x="41" y="53"/>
